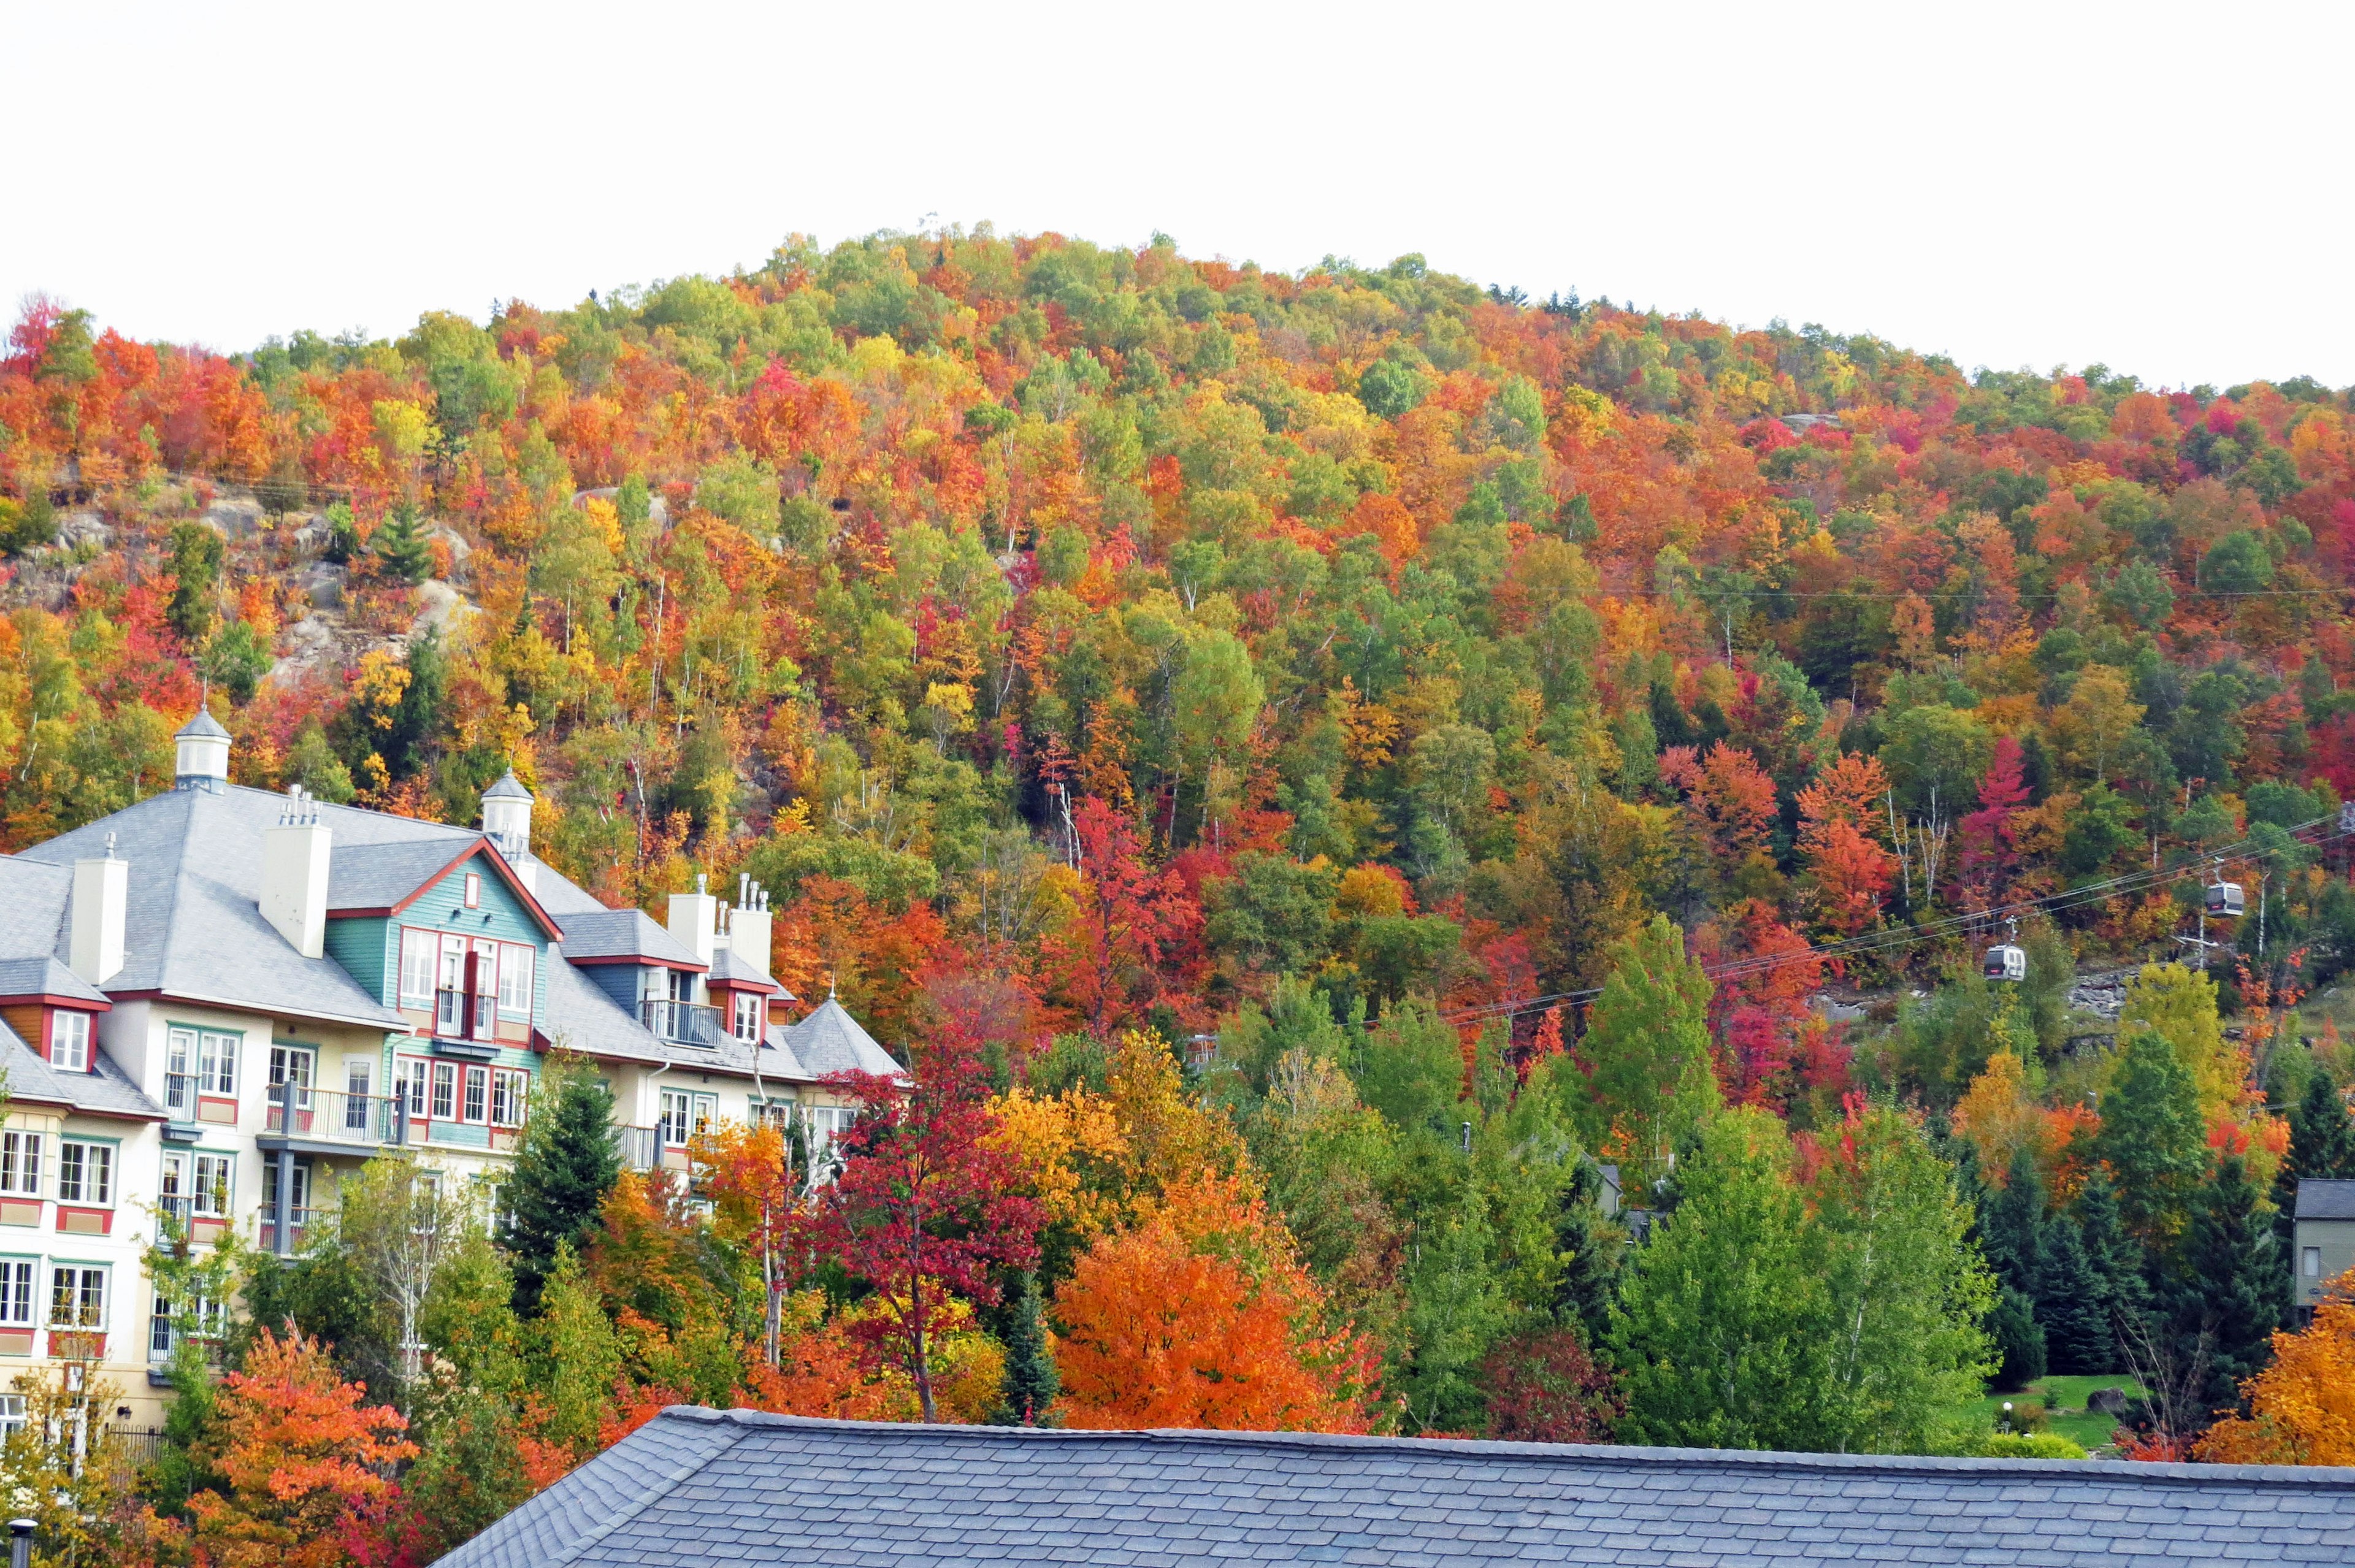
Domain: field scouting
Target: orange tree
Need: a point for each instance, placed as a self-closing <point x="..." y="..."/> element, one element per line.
<point x="1203" y="1316"/>
<point x="309" y="1465"/>
<point x="2302" y="1408"/>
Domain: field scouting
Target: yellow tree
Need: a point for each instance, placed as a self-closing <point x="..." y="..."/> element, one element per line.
<point x="2302" y="1408"/>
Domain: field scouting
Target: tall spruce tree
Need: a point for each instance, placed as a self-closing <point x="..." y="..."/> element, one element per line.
<point x="1589" y="1258"/>
<point x="2013" y="1235"/>
<point x="1027" y="1396"/>
<point x="2069" y="1305"/>
<point x="2229" y="1289"/>
<point x="2113" y="1258"/>
<point x="569" y="1161"/>
<point x="401" y="543"/>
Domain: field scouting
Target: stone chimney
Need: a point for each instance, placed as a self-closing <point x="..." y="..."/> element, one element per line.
<point x="203" y="756"/>
<point x="294" y="853"/>
<point x="101" y="899"/>
<point x="506" y="823"/>
<point x="748" y="923"/>
<point x="692" y="921"/>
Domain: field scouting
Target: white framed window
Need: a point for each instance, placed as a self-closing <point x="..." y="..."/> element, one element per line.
<point x="749" y="1010"/>
<point x="179" y="1066"/>
<point x="70" y="1041"/>
<point x="12" y="1415"/>
<point x="211" y="1322"/>
<point x="408" y="1082"/>
<point x="678" y="1109"/>
<point x="509" y="1091"/>
<point x="86" y="1173"/>
<point x="777" y="1114"/>
<point x="16" y="1291"/>
<point x="21" y="1164"/>
<point x="2309" y="1262"/>
<point x="445" y="1091"/>
<point x="417" y="949"/>
<point x="706" y="1114"/>
<point x="196" y="1185"/>
<point x="474" y="890"/>
<point x="478" y="1095"/>
<point x="291" y="1067"/>
<point x="217" y="1063"/>
<point x="515" y="981"/>
<point x="77" y="1296"/>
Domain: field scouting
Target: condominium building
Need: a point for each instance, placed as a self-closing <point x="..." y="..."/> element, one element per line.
<point x="218" y="1002"/>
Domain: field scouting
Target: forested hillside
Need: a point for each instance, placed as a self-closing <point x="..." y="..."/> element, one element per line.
<point x="1469" y="711"/>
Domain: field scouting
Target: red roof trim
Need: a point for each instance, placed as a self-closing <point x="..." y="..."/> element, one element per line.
<point x="482" y="847"/>
<point x="49" y="999"/>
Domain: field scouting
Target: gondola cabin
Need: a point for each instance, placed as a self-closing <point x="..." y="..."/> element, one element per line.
<point x="2224" y="898"/>
<point x="2007" y="962"/>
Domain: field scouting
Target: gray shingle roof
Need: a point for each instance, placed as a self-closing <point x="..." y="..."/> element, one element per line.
<point x="379" y="876"/>
<point x="509" y="787"/>
<point x="108" y="1092"/>
<point x="830" y="1040"/>
<point x="583" y="1017"/>
<point x="615" y="934"/>
<point x="34" y="898"/>
<point x="203" y="724"/>
<point x="2318" y="1199"/>
<point x="695" y="1488"/>
<point x="43" y="977"/>
<point x="194" y="925"/>
<point x="731" y="966"/>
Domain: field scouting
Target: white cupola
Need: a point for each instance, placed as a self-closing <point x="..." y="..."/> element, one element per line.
<point x="202" y="760"/>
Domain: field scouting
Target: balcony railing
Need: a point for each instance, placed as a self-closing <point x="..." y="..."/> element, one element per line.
<point x="688" y="1023"/>
<point x="330" y="1116"/>
<point x="641" y="1146"/>
<point x="180" y="1096"/>
<point x="178" y="1218"/>
<point x="450" y="1009"/>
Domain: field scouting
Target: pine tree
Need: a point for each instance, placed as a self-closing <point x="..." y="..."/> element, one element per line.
<point x="2011" y="1227"/>
<point x="2322" y="1145"/>
<point x="1032" y="1382"/>
<point x="401" y="545"/>
<point x="1589" y="1280"/>
<point x="2072" y="1305"/>
<point x="568" y="1163"/>
<point x="2113" y="1258"/>
<point x="2229" y="1289"/>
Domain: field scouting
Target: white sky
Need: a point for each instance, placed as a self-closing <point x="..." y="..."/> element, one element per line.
<point x="2158" y="188"/>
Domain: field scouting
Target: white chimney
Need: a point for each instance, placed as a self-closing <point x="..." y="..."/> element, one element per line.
<point x="294" y="875"/>
<point x="201" y="748"/>
<point x="691" y="921"/>
<point x="747" y="926"/>
<point x="101" y="897"/>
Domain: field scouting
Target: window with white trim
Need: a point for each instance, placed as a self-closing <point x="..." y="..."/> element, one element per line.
<point x="418" y="950"/>
<point x="408" y="1082"/>
<point x="179" y="1065"/>
<point x="510" y="1089"/>
<point x="445" y="1091"/>
<point x="209" y="1320"/>
<point x="16" y="1291"/>
<point x="196" y="1185"/>
<point x="298" y="1187"/>
<point x="473" y="890"/>
<point x="217" y="1063"/>
<point x="21" y="1164"/>
<point x="77" y="1296"/>
<point x="515" y="981"/>
<point x="677" y="1107"/>
<point x="290" y="1068"/>
<point x="2309" y="1262"/>
<point x="12" y="1415"/>
<point x="478" y="1095"/>
<point x="748" y="1015"/>
<point x="86" y="1173"/>
<point x="486" y="985"/>
<point x="70" y="1041"/>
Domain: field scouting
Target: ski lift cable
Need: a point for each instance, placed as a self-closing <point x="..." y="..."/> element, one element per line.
<point x="2243" y="851"/>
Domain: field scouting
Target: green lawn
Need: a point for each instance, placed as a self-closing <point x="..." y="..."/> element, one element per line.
<point x="2064" y="1401"/>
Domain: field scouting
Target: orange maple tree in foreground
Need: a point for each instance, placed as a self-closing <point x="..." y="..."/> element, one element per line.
<point x="2302" y="1408"/>
<point x="1201" y="1316"/>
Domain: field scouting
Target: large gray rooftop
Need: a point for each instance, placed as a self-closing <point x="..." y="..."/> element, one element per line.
<point x="696" y="1487"/>
<point x="2320" y="1198"/>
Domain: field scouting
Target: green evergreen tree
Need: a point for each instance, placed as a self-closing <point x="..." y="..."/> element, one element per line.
<point x="2012" y="1234"/>
<point x="1031" y="1382"/>
<point x="569" y="1161"/>
<point x="2229" y="1289"/>
<point x="195" y="553"/>
<point x="2153" y="1137"/>
<point x="401" y="545"/>
<point x="2322" y="1145"/>
<point x="2070" y="1306"/>
<point x="1589" y="1255"/>
<point x="2113" y="1258"/>
<point x="2018" y="1341"/>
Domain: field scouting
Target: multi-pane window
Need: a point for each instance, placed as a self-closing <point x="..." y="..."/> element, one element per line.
<point x="478" y="1093"/>
<point x="85" y="1172"/>
<point x="359" y="1075"/>
<point x="217" y="1063"/>
<point x="21" y="1164"/>
<point x="508" y="1088"/>
<point x="77" y="1296"/>
<point x="417" y="949"/>
<point x="208" y="1319"/>
<point x="289" y="1075"/>
<point x="515" y="981"/>
<point x="179" y="1066"/>
<point x="16" y="1291"/>
<point x="12" y="1415"/>
<point x="678" y="1108"/>
<point x="408" y="1082"/>
<point x="777" y="1114"/>
<point x="70" y="1041"/>
<point x="445" y="1091"/>
<point x="298" y="1187"/>
<point x="196" y="1186"/>
<point x="748" y="1018"/>
<point x="448" y="1016"/>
